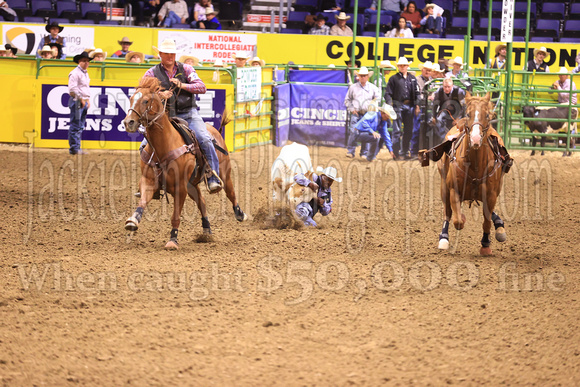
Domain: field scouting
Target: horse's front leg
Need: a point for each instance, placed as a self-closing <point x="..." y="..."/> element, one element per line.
<point x="178" y="199"/>
<point x="147" y="187"/>
<point x="195" y="194"/>
<point x="457" y="217"/>
<point x="444" y="236"/>
<point x="489" y="200"/>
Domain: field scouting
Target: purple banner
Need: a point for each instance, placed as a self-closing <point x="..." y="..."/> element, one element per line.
<point x="317" y="76"/>
<point x="109" y="106"/>
<point x="318" y="115"/>
<point x="282" y="114"/>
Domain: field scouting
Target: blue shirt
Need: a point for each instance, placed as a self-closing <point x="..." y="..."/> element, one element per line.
<point x="373" y="122"/>
<point x="322" y="193"/>
<point x="52" y="40"/>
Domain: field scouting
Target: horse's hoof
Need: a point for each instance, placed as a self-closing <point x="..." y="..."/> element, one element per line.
<point x="241" y="217"/>
<point x="485" y="251"/>
<point x="443" y="244"/>
<point x="500" y="234"/>
<point x="171" y="245"/>
<point x="132" y="224"/>
<point x="207" y="231"/>
<point x="533" y="153"/>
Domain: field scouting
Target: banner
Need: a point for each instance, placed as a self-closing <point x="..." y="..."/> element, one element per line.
<point x="327" y="76"/>
<point x="27" y="38"/>
<point x="318" y="115"/>
<point x="281" y="113"/>
<point x="209" y="46"/>
<point x="109" y="106"/>
<point x="248" y="83"/>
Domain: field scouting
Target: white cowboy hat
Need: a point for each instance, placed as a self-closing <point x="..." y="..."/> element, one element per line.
<point x="430" y="5"/>
<point x="363" y="71"/>
<point x="386" y="64"/>
<point x="499" y="47"/>
<point x="209" y="10"/>
<point x="218" y="63"/>
<point x="389" y="110"/>
<point x="331" y="66"/>
<point x="342" y="16"/>
<point x="563" y="70"/>
<point x="403" y="62"/>
<point x="329" y="172"/>
<point x="457" y="60"/>
<point x="262" y="62"/>
<point x="541" y="49"/>
<point x="134" y="53"/>
<point x="437" y="68"/>
<point x="427" y="65"/>
<point x="45" y="48"/>
<point x="167" y="46"/>
<point x="183" y="58"/>
<point x="97" y="51"/>
<point x="241" y="55"/>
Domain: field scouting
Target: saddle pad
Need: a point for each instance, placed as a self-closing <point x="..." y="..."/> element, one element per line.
<point x="183" y="129"/>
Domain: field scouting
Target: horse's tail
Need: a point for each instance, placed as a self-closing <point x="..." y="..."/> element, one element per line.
<point x="227" y="117"/>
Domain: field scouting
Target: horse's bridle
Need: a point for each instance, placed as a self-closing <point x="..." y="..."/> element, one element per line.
<point x="144" y="118"/>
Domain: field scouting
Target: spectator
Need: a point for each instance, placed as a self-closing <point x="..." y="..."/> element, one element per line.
<point x="437" y="72"/>
<point x="403" y="94"/>
<point x="79" y="102"/>
<point x="216" y="74"/>
<point x="385" y="67"/>
<point x="538" y="64"/>
<point x="10" y="51"/>
<point x="433" y="21"/>
<point x="98" y="55"/>
<point x="499" y="61"/>
<point x="199" y="13"/>
<point x="142" y="9"/>
<point x="56" y="50"/>
<point x="125" y="44"/>
<point x="190" y="60"/>
<point x="212" y="22"/>
<point x="564" y="84"/>
<point x="577" y="69"/>
<point x="321" y="185"/>
<point x="54" y="30"/>
<point x="413" y="16"/>
<point x="371" y="130"/>
<point x="173" y="12"/>
<point x="46" y="52"/>
<point x="257" y="62"/>
<point x="320" y="27"/>
<point x="241" y="58"/>
<point x="401" y="31"/>
<point x="388" y="7"/>
<point x="358" y="98"/>
<point x="6" y="12"/>
<point x="332" y="5"/>
<point x="340" y="28"/>
<point x="443" y="65"/>
<point x="422" y="79"/>
<point x="135" y="57"/>
<point x="448" y="107"/>
<point x="457" y="71"/>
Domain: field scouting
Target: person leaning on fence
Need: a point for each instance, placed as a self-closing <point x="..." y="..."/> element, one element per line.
<point x="46" y="52"/>
<point x="372" y="130"/>
<point x="135" y="57"/>
<point x="98" y="55"/>
<point x="422" y="79"/>
<point x="499" y="62"/>
<point x="79" y="101"/>
<point x="320" y="183"/>
<point x="457" y="68"/>
<point x="53" y="37"/>
<point x="241" y="57"/>
<point x="190" y="60"/>
<point x="125" y="44"/>
<point x="357" y="100"/>
<point x="257" y="62"/>
<point x="564" y="83"/>
<point x="448" y="106"/>
<point x="186" y="84"/>
<point x="538" y="64"/>
<point x="320" y="27"/>
<point x="10" y="51"/>
<point x="403" y="94"/>
<point x="340" y="28"/>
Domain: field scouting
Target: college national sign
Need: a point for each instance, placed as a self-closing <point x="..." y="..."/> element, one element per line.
<point x="210" y="46"/>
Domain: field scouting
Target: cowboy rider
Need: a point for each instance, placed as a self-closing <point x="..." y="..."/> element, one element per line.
<point x="186" y="82"/>
<point x="321" y="185"/>
<point x="448" y="106"/>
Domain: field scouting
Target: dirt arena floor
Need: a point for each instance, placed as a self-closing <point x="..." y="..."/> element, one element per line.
<point x="365" y="299"/>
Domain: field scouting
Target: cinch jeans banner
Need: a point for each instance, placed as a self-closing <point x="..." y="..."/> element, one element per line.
<point x="318" y="115"/>
<point x="108" y="108"/>
<point x="282" y="113"/>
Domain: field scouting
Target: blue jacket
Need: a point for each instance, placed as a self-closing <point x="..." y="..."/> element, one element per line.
<point x="373" y="122"/>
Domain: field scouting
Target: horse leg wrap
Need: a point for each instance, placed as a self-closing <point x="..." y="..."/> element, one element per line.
<point x="240" y="216"/>
<point x="485" y="241"/>
<point x="138" y="214"/>
<point x="497" y="222"/>
<point x="173" y="235"/>
<point x="205" y="225"/>
<point x="445" y="231"/>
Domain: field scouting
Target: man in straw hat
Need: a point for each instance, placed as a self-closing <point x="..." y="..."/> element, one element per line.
<point x="357" y="100"/>
<point x="135" y="57"/>
<point x="190" y="60"/>
<point x="432" y="21"/>
<point x="125" y="44"/>
<point x="46" y="52"/>
<point x="403" y="94"/>
<point x="53" y="37"/>
<point x="241" y="57"/>
<point x="340" y="28"/>
<point x="537" y="63"/>
<point x="372" y="130"/>
<point x="320" y="27"/>
<point x="211" y="22"/>
<point x="499" y="61"/>
<point x="176" y="75"/>
<point x="320" y="182"/>
<point x="98" y="55"/>
<point x="79" y="102"/>
<point x="564" y="84"/>
<point x="457" y="68"/>
<point x="257" y="62"/>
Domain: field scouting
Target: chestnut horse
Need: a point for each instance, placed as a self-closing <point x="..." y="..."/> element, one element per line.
<point x="166" y="155"/>
<point x="472" y="171"/>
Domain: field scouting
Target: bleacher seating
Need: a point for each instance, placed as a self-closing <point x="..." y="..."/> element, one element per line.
<point x="547" y="28"/>
<point x="230" y="10"/>
<point x="92" y="11"/>
<point x="463" y="8"/>
<point x="553" y="11"/>
<point x="360" y="22"/>
<point x="68" y="10"/>
<point x="574" y="13"/>
<point x="459" y="25"/>
<point x="20" y="7"/>
<point x="483" y="26"/>
<point x="42" y="9"/>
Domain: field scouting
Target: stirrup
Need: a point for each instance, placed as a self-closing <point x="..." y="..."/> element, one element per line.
<point x="221" y="183"/>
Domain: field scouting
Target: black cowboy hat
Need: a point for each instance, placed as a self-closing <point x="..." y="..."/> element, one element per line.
<point x="53" y="24"/>
<point x="84" y="54"/>
<point x="13" y="49"/>
<point x="320" y="17"/>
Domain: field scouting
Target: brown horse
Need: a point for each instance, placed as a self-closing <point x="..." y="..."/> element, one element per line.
<point x="472" y="171"/>
<point x="167" y="156"/>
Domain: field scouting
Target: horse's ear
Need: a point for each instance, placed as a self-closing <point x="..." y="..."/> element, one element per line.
<point x="467" y="95"/>
<point x="487" y="97"/>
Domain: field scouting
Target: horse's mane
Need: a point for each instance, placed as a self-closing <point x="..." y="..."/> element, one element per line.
<point x="151" y="83"/>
